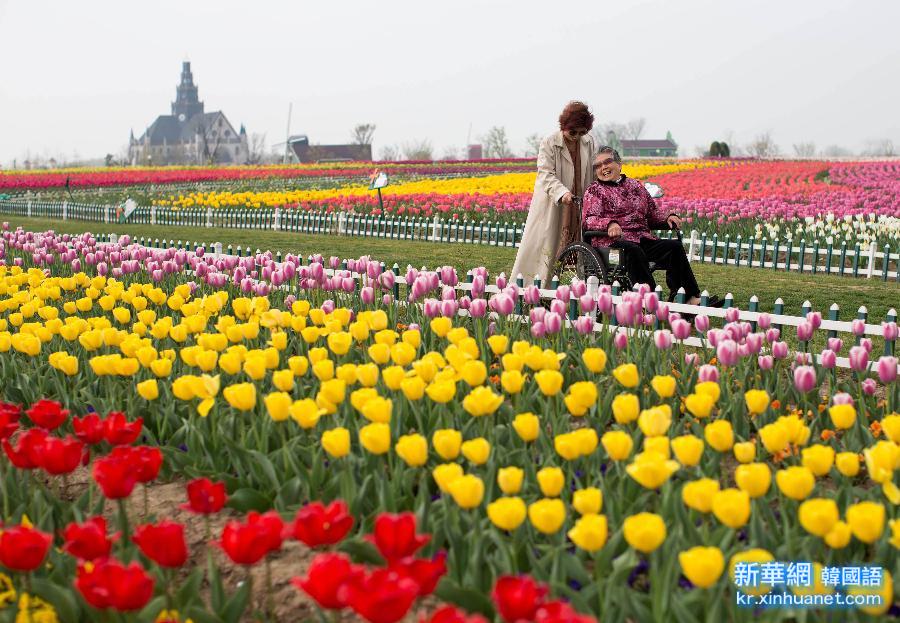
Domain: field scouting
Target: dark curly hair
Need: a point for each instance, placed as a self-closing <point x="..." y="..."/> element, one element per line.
<point x="576" y="115"/>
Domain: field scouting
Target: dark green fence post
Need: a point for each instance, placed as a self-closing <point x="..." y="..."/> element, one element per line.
<point x="833" y="313"/>
<point x="862" y="314"/>
<point x="778" y="310"/>
<point x="856" y="260"/>
<point x="891" y="316"/>
<point x="885" y="262"/>
<point x="754" y="307"/>
<point x="703" y="248"/>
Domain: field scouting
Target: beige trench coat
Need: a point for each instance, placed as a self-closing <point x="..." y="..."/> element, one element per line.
<point x="556" y="177"/>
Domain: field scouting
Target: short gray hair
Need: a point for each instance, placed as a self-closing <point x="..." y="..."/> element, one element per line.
<point x="606" y="149"/>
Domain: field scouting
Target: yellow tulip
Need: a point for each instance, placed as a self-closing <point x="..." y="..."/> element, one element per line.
<point x="590" y="532"/>
<point x="703" y="566"/>
<point x="507" y="513"/>
<point x="340" y="342"/>
<point x="511" y="361"/>
<point x="895" y="532"/>
<point x="447" y="443"/>
<point x="818" y="515"/>
<point x="627" y="375"/>
<point x="324" y="369"/>
<point x="549" y="381"/>
<point x="509" y="479"/>
<point x="795" y="482"/>
<point x="754" y="478"/>
<point x="476" y="450"/>
<point x="744" y="451"/>
<point x="527" y="426"/>
<point x="566" y="445"/>
<point x="547" y="515"/>
<point x="441" y="326"/>
<point x="413" y="449"/>
<point x="347" y="373"/>
<point x="890" y="424"/>
<point x="380" y="353"/>
<point x="732" y="507"/>
<point x="709" y="388"/>
<point x="664" y="386"/>
<point x="402" y="354"/>
<point x="751" y="557"/>
<point x="698" y="494"/>
<point x="700" y="405"/>
<point x="305" y="412"/>
<point x="884" y="592"/>
<point x="68" y="365"/>
<point x="482" y="401"/>
<point x="842" y="416"/>
<point x="378" y="409"/>
<point x="644" y="531"/>
<point x="818" y="459"/>
<point x="626" y="408"/>
<point x="148" y="390"/>
<point x="775" y="437"/>
<point x="588" y="501"/>
<point x="393" y="377"/>
<point x="719" y="435"/>
<point x="255" y="368"/>
<point x="467" y="491"/>
<point x="445" y="474"/>
<point x="441" y="391"/>
<point x="847" y="463"/>
<point x="512" y="381"/>
<point x="278" y="405"/>
<point x="336" y="442"/>
<point x="298" y="365"/>
<point x="498" y="344"/>
<point x="551" y="481"/>
<point x="757" y="401"/>
<point x="688" y="449"/>
<point x="367" y="374"/>
<point x="656" y="421"/>
<point x="594" y="359"/>
<point x="375" y="437"/>
<point x="474" y="373"/>
<point x="651" y="469"/>
<point x="618" y="444"/>
<point x="866" y="520"/>
<point x="660" y="445"/>
<point x="334" y="391"/>
<point x="241" y="396"/>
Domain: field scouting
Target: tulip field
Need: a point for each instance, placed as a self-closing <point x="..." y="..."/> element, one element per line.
<point x="190" y="436"/>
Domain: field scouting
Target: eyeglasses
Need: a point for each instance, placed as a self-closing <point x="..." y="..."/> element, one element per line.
<point x="602" y="163"/>
<point x="577" y="133"/>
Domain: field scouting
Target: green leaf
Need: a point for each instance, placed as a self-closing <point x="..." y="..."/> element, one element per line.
<point x="247" y="499"/>
<point x="152" y="609"/>
<point x="264" y="464"/>
<point x="216" y="591"/>
<point x="62" y="600"/>
<point x="465" y="598"/>
<point x="201" y="615"/>
<point x="236" y="605"/>
<point x="361" y="551"/>
<point x="189" y="590"/>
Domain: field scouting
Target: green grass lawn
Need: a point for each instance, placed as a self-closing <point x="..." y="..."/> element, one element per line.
<point x="767" y="284"/>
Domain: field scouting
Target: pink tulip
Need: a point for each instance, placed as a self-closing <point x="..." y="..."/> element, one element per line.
<point x="890" y="330"/>
<point x="579" y="287"/>
<point x="586" y="302"/>
<point x="828" y="359"/>
<point x="662" y="339"/>
<point x="620" y="341"/>
<point x="866" y="343"/>
<point x="732" y="314"/>
<point x="779" y="350"/>
<point x="766" y="362"/>
<point x="859" y="358"/>
<point x="858" y="327"/>
<point x="691" y="359"/>
<point x="553" y="322"/>
<point x="702" y="323"/>
<point x="804" y="331"/>
<point x="501" y="281"/>
<point x="532" y="295"/>
<point x="727" y="352"/>
<point x="842" y="398"/>
<point x="662" y="312"/>
<point x="477" y="308"/>
<point x="584" y="325"/>
<point x="367" y="295"/>
<point x="681" y="329"/>
<point x="869" y="387"/>
<point x="537" y="314"/>
<point x="624" y="314"/>
<point x="651" y="301"/>
<point x="563" y="293"/>
<point x="764" y="321"/>
<point x="887" y="369"/>
<point x="505" y="304"/>
<point x="478" y="286"/>
<point x="708" y="372"/>
<point x="815" y="319"/>
<point x="558" y="307"/>
<point x="772" y="335"/>
<point x="605" y="303"/>
<point x="804" y="378"/>
<point x="835" y="344"/>
<point x="537" y="330"/>
<point x="432" y="308"/>
<point x="754" y="342"/>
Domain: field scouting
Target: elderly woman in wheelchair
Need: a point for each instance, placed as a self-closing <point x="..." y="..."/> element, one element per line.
<point x="618" y="244"/>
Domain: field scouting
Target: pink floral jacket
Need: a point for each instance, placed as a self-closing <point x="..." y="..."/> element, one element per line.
<point x="625" y="202"/>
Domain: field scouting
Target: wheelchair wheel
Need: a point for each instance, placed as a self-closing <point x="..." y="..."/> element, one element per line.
<point x="579" y="261"/>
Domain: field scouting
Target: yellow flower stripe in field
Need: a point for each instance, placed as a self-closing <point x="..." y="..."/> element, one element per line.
<point x="506" y="183"/>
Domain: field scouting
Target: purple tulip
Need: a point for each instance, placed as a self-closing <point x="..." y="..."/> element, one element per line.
<point x="804" y="378"/>
<point x="727" y="352"/>
<point x="779" y="350"/>
<point x="620" y="341"/>
<point x="828" y="359"/>
<point x="887" y="369"/>
<point x="708" y="372"/>
<point x="663" y="339"/>
<point x="859" y="358"/>
<point x="478" y="308"/>
<point x="766" y="362"/>
<point x="869" y="387"/>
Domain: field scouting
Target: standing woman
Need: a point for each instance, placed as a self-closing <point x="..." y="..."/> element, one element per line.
<point x="564" y="172"/>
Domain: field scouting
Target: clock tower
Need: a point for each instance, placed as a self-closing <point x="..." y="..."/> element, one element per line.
<point x="186" y="103"/>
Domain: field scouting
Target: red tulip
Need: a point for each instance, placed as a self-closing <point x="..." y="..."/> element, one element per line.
<point x="60" y="456"/>
<point x="87" y="540"/>
<point x="23" y="548"/>
<point x="90" y="429"/>
<point x="47" y="414"/>
<point x="425" y="572"/>
<point x="326" y="575"/>
<point x="26" y="454"/>
<point x="317" y="524"/>
<point x="245" y="543"/>
<point x="119" y="431"/>
<point x="110" y="584"/>
<point x="144" y="460"/>
<point x="116" y="475"/>
<point x="9" y="419"/>
<point x="449" y="614"/>
<point x="395" y="536"/>
<point x="204" y="496"/>
<point x="560" y="612"/>
<point x="272" y="526"/>
<point x="163" y="543"/>
<point x="518" y="597"/>
<point x="383" y="596"/>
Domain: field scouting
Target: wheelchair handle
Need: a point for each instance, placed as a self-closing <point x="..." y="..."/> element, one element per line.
<point x="597" y="233"/>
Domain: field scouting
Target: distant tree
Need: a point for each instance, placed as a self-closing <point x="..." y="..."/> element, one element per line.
<point x="880" y="148"/>
<point x="610" y="133"/>
<point x="450" y="153"/>
<point x="804" y="150"/>
<point x="496" y="144"/>
<point x="763" y="146"/>
<point x="390" y="153"/>
<point x="836" y="151"/>
<point x="109" y="160"/>
<point x="634" y="129"/>
<point x="724" y="149"/>
<point x="533" y="144"/>
<point x="715" y="150"/>
<point x="419" y="149"/>
<point x="256" y="148"/>
<point x="363" y="133"/>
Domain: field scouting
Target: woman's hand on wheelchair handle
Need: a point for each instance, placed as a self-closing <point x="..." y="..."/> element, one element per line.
<point x="674" y="221"/>
<point x="567" y="199"/>
<point x="614" y="230"/>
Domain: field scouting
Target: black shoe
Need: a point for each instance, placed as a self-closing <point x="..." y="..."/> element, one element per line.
<point x="715" y="301"/>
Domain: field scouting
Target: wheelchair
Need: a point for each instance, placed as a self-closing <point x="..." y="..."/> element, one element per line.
<point x="581" y="260"/>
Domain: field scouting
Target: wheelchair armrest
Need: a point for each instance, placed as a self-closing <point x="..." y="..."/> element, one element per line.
<point x="587" y="234"/>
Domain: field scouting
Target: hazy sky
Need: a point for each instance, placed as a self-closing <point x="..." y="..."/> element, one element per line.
<point x="77" y="76"/>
